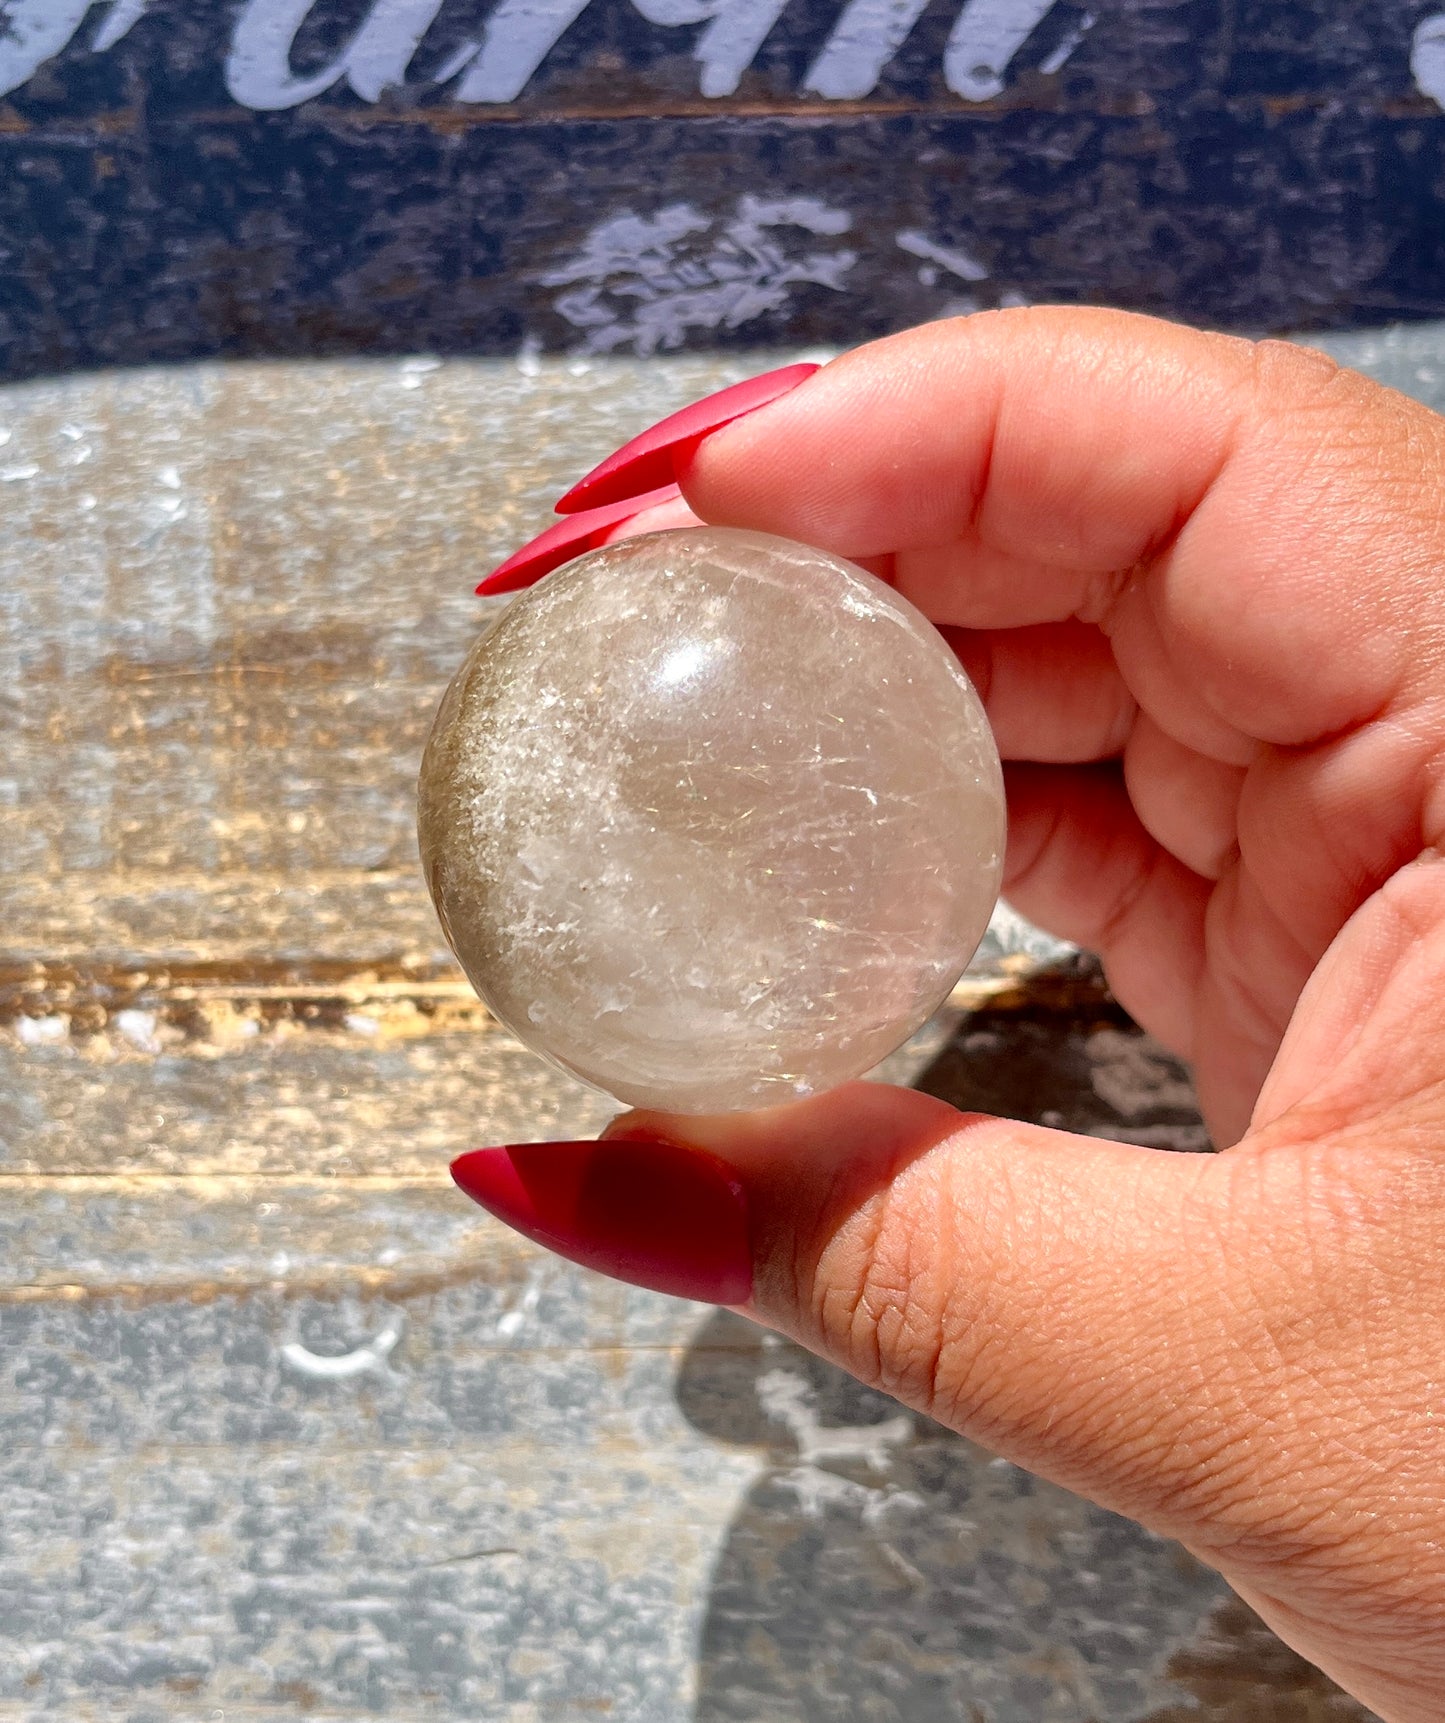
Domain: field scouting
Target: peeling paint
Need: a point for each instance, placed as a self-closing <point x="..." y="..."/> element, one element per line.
<point x="644" y="284"/>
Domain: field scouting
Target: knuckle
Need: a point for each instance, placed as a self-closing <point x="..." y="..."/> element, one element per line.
<point x="1283" y="370"/>
<point x="888" y="1293"/>
<point x="1258" y="1383"/>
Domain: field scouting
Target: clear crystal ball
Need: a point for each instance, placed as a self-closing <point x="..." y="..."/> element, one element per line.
<point x="712" y="820"/>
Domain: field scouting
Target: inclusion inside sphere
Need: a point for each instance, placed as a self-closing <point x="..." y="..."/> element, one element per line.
<point x="712" y="820"/>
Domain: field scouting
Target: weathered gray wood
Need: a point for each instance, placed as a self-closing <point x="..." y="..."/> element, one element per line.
<point x="553" y="1497"/>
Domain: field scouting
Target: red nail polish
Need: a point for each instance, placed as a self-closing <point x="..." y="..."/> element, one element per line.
<point x="651" y="459"/>
<point x="568" y="539"/>
<point x="667" y="1218"/>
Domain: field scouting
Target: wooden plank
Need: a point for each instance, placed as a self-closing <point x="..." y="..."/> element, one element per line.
<point x="183" y="180"/>
<point x="540" y="1508"/>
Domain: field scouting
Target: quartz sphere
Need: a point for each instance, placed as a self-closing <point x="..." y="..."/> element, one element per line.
<point x="711" y="819"/>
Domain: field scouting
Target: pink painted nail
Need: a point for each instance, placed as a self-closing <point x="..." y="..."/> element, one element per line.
<point x="568" y="539"/>
<point x="651" y="458"/>
<point x="668" y="1218"/>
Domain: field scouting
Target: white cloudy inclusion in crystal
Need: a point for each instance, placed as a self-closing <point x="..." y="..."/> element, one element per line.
<point x="712" y="820"/>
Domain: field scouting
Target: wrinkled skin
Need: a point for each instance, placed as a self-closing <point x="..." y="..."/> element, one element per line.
<point x="1201" y="584"/>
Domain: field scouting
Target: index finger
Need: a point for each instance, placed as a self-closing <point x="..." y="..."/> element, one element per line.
<point x="1076" y="439"/>
<point x="1244" y="519"/>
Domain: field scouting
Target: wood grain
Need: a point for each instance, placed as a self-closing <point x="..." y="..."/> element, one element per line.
<point x="1256" y="166"/>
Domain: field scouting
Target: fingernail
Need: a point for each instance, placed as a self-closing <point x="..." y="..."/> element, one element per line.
<point x="671" y="1219"/>
<point x="566" y="540"/>
<point x="651" y="459"/>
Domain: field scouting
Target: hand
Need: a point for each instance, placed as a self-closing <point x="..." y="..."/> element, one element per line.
<point x="1201" y="586"/>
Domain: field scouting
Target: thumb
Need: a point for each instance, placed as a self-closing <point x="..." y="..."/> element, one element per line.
<point x="1059" y="1299"/>
<point x="1051" y="1296"/>
<point x="1240" y="1351"/>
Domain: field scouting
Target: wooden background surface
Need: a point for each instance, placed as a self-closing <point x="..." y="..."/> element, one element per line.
<point x="183" y="177"/>
<point x="289" y="1429"/>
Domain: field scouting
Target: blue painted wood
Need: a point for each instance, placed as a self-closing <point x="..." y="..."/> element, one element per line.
<point x="276" y="176"/>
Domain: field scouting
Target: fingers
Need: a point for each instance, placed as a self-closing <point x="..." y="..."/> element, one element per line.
<point x="1186" y="801"/>
<point x="1201" y="965"/>
<point x="1246" y="521"/>
<point x="1052" y="692"/>
<point x="1080" y="864"/>
<point x="972" y="584"/>
<point x="1076" y="440"/>
<point x="1369" y="1028"/>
